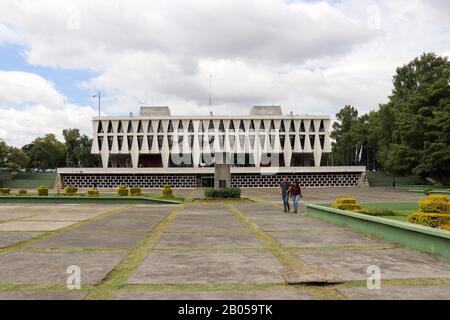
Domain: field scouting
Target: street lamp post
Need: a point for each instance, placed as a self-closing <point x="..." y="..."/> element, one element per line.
<point x="99" y="96"/>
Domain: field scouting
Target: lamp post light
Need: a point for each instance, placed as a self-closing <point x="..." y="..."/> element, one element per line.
<point x="99" y="96"/>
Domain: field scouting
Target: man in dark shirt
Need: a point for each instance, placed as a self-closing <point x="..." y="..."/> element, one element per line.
<point x="284" y="190"/>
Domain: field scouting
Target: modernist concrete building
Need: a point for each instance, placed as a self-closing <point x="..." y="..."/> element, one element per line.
<point x="156" y="147"/>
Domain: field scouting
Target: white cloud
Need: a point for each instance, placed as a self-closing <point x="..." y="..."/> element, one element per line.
<point x="308" y="57"/>
<point x="30" y="107"/>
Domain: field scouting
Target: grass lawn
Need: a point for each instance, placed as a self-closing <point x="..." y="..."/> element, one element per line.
<point x="31" y="180"/>
<point x="400" y="209"/>
<point x="381" y="179"/>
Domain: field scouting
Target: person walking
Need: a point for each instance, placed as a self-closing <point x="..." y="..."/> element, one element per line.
<point x="284" y="190"/>
<point x="296" y="194"/>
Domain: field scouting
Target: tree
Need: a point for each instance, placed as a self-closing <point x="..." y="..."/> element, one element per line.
<point x="420" y="105"/>
<point x="46" y="152"/>
<point x="79" y="149"/>
<point x="409" y="135"/>
<point x="12" y="158"/>
<point x="344" y="147"/>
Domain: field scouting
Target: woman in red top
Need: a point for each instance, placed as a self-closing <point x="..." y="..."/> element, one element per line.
<point x="296" y="194"/>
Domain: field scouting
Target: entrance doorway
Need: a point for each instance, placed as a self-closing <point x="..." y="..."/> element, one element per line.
<point x="207" y="181"/>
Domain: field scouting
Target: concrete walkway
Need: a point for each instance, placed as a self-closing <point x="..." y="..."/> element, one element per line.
<point x="233" y="250"/>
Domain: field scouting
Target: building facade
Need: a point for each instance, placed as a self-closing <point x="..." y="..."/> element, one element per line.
<point x="156" y="147"/>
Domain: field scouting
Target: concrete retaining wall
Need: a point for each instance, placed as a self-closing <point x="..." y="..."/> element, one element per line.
<point x="418" y="237"/>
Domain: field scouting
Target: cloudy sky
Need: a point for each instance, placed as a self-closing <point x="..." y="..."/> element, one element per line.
<point x="310" y="57"/>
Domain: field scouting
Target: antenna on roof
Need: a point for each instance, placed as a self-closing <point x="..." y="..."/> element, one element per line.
<point x="210" y="91"/>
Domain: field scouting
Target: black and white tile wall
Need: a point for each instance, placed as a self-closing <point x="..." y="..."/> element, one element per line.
<point x="190" y="181"/>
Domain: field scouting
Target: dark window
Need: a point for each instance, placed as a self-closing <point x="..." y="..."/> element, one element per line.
<point x="272" y="126"/>
<point x="322" y="141"/>
<point x="180" y="126"/>
<point x="282" y="140"/>
<point x="110" y="143"/>
<point x="130" y="127"/>
<point x="150" y="127"/>
<point x="140" y="140"/>
<point x="160" y="127"/>
<point x="191" y="141"/>
<point x="160" y="142"/>
<point x="201" y="140"/>
<point x="201" y="127"/>
<point x="292" y="128"/>
<point x="292" y="139"/>
<point x="312" y="128"/>
<point x="170" y="141"/>
<point x="120" y="128"/>
<point x="252" y="126"/>
<point x="272" y="141"/>
<point x="170" y="129"/>
<point x="191" y="126"/>
<point x="241" y="126"/>
<point x="221" y="141"/>
<point x="100" y="128"/>
<point x="100" y="143"/>
<point x="231" y="127"/>
<point x="120" y="142"/>
<point x="302" y="141"/>
<point x="180" y="141"/>
<point x="150" y="142"/>
<point x="312" y="140"/>
<point x="140" y="128"/>
<point x="211" y="126"/>
<point x="262" y="127"/>
<point x="110" y="127"/>
<point x="221" y="126"/>
<point x="302" y="126"/>
<point x="282" y="127"/>
<point x="322" y="126"/>
<point x="130" y="142"/>
<point x="211" y="141"/>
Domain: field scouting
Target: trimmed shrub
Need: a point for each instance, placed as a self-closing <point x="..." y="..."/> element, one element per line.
<point x="345" y="201"/>
<point x="433" y="220"/>
<point x="93" y="193"/>
<point x="167" y="191"/>
<point x="135" y="191"/>
<point x="70" y="191"/>
<point x="42" y="191"/>
<point x="445" y="227"/>
<point x="349" y="204"/>
<point x="379" y="212"/>
<point x="348" y="207"/>
<point x="122" y="191"/>
<point x="5" y="191"/>
<point x="435" y="204"/>
<point x="227" y="193"/>
<point x="23" y="192"/>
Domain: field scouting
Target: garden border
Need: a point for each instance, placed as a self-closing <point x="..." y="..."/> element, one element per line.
<point x="72" y="200"/>
<point x="418" y="237"/>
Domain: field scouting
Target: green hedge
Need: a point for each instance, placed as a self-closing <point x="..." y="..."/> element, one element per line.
<point x="23" y="192"/>
<point x="167" y="191"/>
<point x="42" y="191"/>
<point x="5" y="191"/>
<point x="433" y="220"/>
<point x="122" y="191"/>
<point x="227" y="193"/>
<point x="135" y="191"/>
<point x="93" y="193"/>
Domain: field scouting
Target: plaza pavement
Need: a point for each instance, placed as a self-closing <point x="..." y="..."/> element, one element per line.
<point x="204" y="250"/>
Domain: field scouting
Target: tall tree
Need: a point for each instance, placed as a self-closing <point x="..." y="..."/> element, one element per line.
<point x="79" y="149"/>
<point x="46" y="152"/>
<point x="12" y="158"/>
<point x="344" y="146"/>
